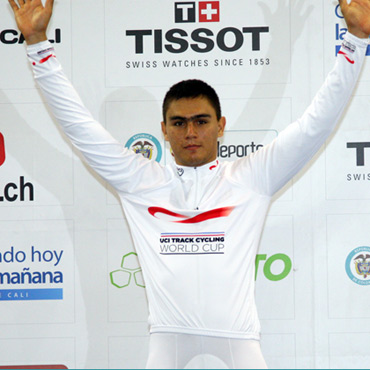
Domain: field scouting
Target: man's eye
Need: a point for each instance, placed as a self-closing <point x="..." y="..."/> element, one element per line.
<point x="178" y="123"/>
<point x="202" y="122"/>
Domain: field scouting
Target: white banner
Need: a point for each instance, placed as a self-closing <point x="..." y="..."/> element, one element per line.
<point x="72" y="292"/>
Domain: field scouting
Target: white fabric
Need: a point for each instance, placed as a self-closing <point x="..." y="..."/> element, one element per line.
<point x="196" y="286"/>
<point x="184" y="351"/>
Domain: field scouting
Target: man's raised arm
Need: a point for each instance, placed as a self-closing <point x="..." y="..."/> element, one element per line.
<point x="276" y="163"/>
<point x="116" y="164"/>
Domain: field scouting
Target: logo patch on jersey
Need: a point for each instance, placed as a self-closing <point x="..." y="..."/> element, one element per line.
<point x="192" y="244"/>
<point x="166" y="215"/>
<point x="347" y="57"/>
<point x="214" y="166"/>
<point x="348" y="46"/>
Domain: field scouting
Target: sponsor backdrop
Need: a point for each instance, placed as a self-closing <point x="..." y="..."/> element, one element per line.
<point x="71" y="289"/>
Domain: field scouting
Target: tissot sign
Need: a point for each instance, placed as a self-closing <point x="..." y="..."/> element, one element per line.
<point x="348" y="155"/>
<point x="201" y="40"/>
<point x="192" y="38"/>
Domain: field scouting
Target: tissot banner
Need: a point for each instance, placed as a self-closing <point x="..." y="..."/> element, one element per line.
<point x="176" y="39"/>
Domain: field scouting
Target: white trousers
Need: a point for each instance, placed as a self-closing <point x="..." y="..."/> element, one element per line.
<point x="183" y="351"/>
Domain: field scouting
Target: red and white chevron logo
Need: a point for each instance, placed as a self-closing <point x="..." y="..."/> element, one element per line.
<point x="166" y="215"/>
<point x="347" y="57"/>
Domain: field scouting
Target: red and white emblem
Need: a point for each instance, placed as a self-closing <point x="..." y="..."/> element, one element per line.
<point x="209" y="11"/>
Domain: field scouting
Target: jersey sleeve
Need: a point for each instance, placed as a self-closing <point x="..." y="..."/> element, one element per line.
<point x="124" y="170"/>
<point x="272" y="166"/>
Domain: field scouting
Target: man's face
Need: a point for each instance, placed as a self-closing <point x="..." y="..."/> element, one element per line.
<point x="192" y="130"/>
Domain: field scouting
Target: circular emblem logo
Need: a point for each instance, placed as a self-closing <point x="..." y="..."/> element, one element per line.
<point x="146" y="145"/>
<point x="358" y="265"/>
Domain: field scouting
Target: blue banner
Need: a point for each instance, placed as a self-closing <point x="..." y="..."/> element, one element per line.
<point x="30" y="294"/>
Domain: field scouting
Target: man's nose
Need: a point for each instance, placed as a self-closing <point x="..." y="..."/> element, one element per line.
<point x="191" y="130"/>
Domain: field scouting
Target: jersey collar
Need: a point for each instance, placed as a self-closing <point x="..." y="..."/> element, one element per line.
<point x="206" y="169"/>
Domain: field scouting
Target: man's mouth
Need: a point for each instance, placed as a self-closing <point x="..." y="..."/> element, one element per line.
<point x="192" y="147"/>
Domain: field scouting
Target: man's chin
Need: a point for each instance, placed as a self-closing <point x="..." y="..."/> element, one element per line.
<point x="191" y="162"/>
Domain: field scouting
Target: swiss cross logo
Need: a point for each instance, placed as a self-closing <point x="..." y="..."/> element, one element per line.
<point x="186" y="12"/>
<point x="209" y="11"/>
<point x="2" y="149"/>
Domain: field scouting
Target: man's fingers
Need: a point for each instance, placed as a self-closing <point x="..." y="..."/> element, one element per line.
<point x="49" y="5"/>
<point x="343" y="4"/>
<point x="14" y="5"/>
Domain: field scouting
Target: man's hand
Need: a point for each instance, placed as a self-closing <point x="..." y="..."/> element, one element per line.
<point x="357" y="16"/>
<point x="32" y="18"/>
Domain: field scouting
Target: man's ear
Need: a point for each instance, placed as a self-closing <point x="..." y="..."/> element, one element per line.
<point x="221" y="126"/>
<point x="164" y="130"/>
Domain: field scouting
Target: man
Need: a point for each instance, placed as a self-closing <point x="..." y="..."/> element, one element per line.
<point x="196" y="223"/>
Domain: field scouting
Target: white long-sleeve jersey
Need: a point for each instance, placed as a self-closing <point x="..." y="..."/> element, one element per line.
<point x="197" y="230"/>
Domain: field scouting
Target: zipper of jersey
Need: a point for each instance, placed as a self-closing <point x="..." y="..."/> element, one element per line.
<point x="196" y="205"/>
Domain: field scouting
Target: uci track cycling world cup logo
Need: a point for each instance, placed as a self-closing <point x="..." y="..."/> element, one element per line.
<point x="358" y="265"/>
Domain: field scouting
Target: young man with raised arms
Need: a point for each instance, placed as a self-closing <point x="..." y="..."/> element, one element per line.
<point x="196" y="313"/>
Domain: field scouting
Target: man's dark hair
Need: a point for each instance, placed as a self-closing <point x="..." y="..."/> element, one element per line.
<point x="191" y="89"/>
